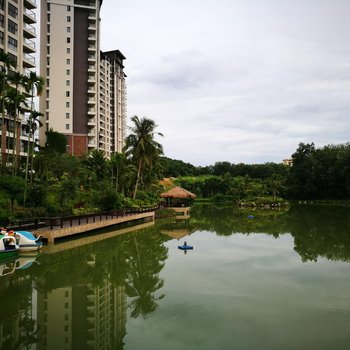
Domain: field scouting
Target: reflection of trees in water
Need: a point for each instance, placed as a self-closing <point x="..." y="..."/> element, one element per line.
<point x="226" y="220"/>
<point x="146" y="260"/>
<point x="318" y="231"/>
<point x="130" y="264"/>
<point x="17" y="324"/>
<point x="321" y="231"/>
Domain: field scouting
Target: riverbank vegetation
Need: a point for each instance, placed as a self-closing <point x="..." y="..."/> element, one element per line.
<point x="50" y="182"/>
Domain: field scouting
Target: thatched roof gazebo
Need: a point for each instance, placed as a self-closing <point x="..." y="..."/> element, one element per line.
<point x="178" y="197"/>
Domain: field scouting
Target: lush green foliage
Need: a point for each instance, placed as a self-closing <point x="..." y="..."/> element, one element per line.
<point x="322" y="173"/>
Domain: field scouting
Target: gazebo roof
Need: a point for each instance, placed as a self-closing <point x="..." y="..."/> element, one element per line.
<point x="178" y="192"/>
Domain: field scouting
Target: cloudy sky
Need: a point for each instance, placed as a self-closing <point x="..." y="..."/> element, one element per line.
<point x="235" y="80"/>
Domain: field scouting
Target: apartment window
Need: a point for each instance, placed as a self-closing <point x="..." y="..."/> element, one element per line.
<point x="68" y="50"/>
<point x="67" y="93"/>
<point x="47" y="82"/>
<point x="1" y="20"/>
<point x="68" y="40"/>
<point x="48" y="61"/>
<point x="68" y="18"/>
<point x="12" y="43"/>
<point x="68" y="8"/>
<point x="47" y="105"/>
<point x="48" y="7"/>
<point x="12" y="27"/>
<point x="66" y="293"/>
<point x="67" y="117"/>
<point x="48" y="17"/>
<point x="48" y="39"/>
<point x="48" y="28"/>
<point x="67" y="126"/>
<point x="47" y="115"/>
<point x="68" y="29"/>
<point x="68" y="71"/>
<point x="1" y="38"/>
<point x="68" y="61"/>
<point x="67" y="104"/>
<point x="13" y="57"/>
<point x="2" y="5"/>
<point x="67" y="82"/>
<point x="47" y="71"/>
<point x="12" y="10"/>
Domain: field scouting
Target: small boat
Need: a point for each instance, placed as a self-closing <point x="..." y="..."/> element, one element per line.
<point x="8" y="246"/>
<point x="185" y="246"/>
<point x="27" y="241"/>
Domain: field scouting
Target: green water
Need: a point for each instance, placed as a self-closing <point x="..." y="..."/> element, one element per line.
<point x="279" y="280"/>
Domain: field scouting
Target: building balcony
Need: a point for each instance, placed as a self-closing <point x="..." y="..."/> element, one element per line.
<point x="92" y="122"/>
<point x="28" y="61"/>
<point x="28" y="46"/>
<point x="91" y="101"/>
<point x="29" y="31"/>
<point x="91" y="111"/>
<point x="29" y="16"/>
<point x="92" y="58"/>
<point x="91" y="91"/>
<point x="92" y="47"/>
<point x="91" y="69"/>
<point x="30" y="4"/>
<point x="92" y="37"/>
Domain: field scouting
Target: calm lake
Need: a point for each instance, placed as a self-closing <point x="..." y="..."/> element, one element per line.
<point x="254" y="280"/>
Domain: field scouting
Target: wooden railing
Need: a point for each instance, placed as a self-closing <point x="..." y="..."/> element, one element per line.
<point x="78" y="220"/>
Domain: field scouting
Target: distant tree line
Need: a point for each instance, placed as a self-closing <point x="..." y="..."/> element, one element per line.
<point x="316" y="174"/>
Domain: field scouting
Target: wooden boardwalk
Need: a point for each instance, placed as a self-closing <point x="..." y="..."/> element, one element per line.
<point x="72" y="226"/>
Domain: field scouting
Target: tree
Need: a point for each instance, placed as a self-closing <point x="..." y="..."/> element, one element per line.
<point x="96" y="162"/>
<point x="34" y="84"/>
<point x="120" y="170"/>
<point x="8" y="64"/>
<point x="141" y="147"/>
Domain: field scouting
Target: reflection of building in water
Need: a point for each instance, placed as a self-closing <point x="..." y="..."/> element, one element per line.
<point x="17" y="322"/>
<point x="82" y="316"/>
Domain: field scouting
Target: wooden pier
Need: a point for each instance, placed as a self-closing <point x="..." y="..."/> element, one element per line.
<point x="57" y="228"/>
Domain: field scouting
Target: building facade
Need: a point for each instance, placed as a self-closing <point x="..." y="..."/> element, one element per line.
<point x="80" y="95"/>
<point x="17" y="35"/>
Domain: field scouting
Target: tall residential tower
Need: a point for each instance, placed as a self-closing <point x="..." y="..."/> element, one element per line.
<point x="17" y="34"/>
<point x="81" y="97"/>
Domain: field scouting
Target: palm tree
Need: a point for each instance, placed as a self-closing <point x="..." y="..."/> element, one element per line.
<point x="96" y="162"/>
<point x="8" y="64"/>
<point x="16" y="103"/>
<point x="141" y="147"/>
<point x="120" y="171"/>
<point x="35" y="86"/>
<point x="34" y="122"/>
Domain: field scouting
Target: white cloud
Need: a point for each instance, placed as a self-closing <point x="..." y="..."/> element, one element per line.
<point x="243" y="81"/>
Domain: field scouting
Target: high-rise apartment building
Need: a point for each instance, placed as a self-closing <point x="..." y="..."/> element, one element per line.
<point x="112" y="107"/>
<point x="82" y="93"/>
<point x="17" y="34"/>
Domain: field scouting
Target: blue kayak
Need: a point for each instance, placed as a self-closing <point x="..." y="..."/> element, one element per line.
<point x="185" y="247"/>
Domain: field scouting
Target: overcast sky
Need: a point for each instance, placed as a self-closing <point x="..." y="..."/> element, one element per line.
<point x="235" y="80"/>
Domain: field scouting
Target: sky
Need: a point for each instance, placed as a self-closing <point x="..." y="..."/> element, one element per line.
<point x="243" y="81"/>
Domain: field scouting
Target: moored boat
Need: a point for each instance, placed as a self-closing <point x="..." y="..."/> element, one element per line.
<point x="27" y="241"/>
<point x="8" y="246"/>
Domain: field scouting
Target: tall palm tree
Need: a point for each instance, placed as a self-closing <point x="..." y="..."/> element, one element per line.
<point x="121" y="171"/>
<point x="35" y="86"/>
<point x="34" y="122"/>
<point x="141" y="146"/>
<point x="7" y="65"/>
<point x="16" y="104"/>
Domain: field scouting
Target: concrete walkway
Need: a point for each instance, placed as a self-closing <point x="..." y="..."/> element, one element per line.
<point x="74" y="227"/>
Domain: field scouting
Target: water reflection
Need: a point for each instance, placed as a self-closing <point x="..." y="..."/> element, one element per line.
<point x="82" y="295"/>
<point x="318" y="231"/>
<point x="85" y="297"/>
